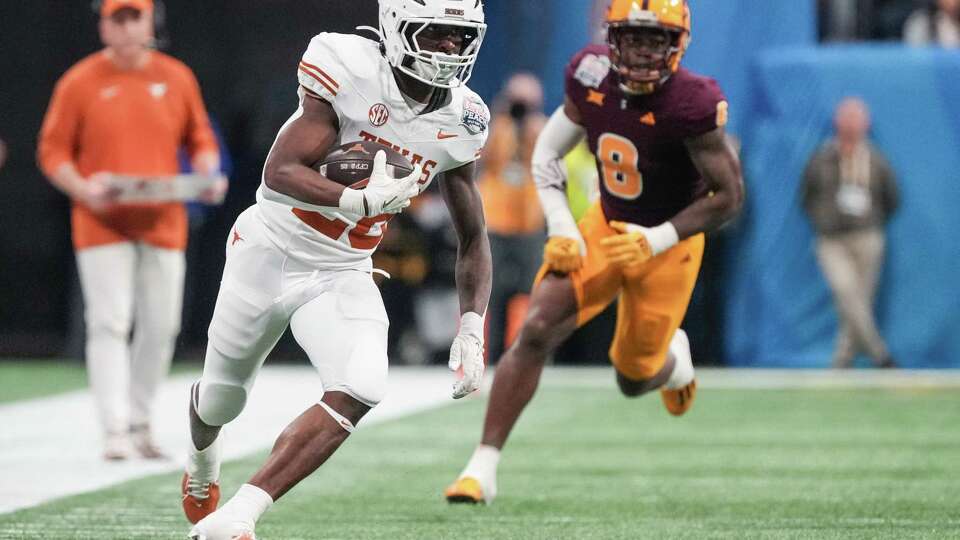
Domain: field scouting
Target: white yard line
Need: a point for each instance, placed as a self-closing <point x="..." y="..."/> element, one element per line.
<point x="775" y="379"/>
<point x="50" y="447"/>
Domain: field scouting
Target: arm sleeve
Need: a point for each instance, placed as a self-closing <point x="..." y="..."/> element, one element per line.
<point x="58" y="136"/>
<point x="558" y="137"/>
<point x="320" y="71"/>
<point x="199" y="134"/>
<point x="480" y="144"/>
<point x="476" y="120"/>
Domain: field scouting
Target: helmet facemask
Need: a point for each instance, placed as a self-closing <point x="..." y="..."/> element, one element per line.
<point x="644" y="56"/>
<point x="421" y="59"/>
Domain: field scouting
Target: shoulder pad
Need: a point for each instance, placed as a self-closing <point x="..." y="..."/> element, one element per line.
<point x="331" y="60"/>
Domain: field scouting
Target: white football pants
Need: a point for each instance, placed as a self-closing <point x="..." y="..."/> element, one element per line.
<point x="337" y="317"/>
<point x="129" y="285"/>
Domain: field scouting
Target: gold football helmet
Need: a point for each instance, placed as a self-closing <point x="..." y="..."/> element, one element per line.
<point x="647" y="40"/>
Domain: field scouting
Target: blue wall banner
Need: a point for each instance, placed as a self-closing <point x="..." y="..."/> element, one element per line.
<point x="727" y="37"/>
<point x="539" y="37"/>
<point x="779" y="309"/>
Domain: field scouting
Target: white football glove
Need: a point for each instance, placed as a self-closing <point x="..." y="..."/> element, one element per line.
<point x="382" y="195"/>
<point x="467" y="352"/>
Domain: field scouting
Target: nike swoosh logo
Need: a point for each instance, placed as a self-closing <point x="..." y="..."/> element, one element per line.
<point x="441" y="135"/>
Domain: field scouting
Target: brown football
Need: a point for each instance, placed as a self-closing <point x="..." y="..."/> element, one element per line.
<point x="353" y="162"/>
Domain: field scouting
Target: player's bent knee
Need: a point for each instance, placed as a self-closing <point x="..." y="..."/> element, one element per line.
<point x="537" y="334"/>
<point x="340" y="419"/>
<point x="364" y="377"/>
<point x="368" y="397"/>
<point x="219" y="404"/>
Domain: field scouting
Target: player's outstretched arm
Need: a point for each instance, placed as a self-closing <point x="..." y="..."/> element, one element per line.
<point x="719" y="165"/>
<point x="474" y="271"/>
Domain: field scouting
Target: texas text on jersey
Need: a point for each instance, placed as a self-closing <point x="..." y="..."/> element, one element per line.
<point x="350" y="73"/>
<point x="646" y="175"/>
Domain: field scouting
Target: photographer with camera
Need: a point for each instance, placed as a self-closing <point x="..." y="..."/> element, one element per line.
<point x="513" y="213"/>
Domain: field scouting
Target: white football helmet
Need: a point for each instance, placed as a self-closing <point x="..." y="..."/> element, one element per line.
<point x="401" y="21"/>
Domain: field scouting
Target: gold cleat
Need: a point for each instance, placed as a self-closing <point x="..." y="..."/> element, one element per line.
<point x="679" y="401"/>
<point x="464" y="490"/>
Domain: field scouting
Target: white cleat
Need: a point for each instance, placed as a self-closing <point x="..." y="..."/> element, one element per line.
<point x="218" y="526"/>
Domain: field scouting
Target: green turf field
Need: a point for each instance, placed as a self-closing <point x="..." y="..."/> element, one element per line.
<point x="25" y="379"/>
<point x="586" y="463"/>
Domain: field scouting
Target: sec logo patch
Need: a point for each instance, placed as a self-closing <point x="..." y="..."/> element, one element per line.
<point x="379" y="115"/>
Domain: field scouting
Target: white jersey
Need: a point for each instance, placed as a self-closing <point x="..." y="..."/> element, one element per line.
<point x="350" y="72"/>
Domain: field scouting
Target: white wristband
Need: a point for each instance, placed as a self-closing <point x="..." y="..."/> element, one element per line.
<point x="662" y="237"/>
<point x="351" y="200"/>
<point x="472" y="324"/>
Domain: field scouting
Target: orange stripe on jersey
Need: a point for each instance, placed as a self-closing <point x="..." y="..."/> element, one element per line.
<point x="321" y="72"/>
<point x="321" y="77"/>
<point x="319" y="80"/>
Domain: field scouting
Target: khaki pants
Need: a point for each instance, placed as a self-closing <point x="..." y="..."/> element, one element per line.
<point x="851" y="264"/>
<point x="129" y="285"/>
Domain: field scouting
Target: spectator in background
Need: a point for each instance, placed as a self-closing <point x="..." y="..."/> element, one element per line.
<point x="840" y="20"/>
<point x="937" y="24"/>
<point x="126" y="110"/>
<point x="513" y="214"/>
<point x="3" y="153"/>
<point x="849" y="193"/>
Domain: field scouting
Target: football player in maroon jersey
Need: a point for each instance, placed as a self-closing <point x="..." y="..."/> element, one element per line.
<point x="667" y="176"/>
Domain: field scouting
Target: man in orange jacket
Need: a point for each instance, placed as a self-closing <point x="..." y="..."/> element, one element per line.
<point x="127" y="109"/>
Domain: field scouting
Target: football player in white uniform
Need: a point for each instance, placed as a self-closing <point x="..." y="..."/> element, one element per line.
<point x="301" y="255"/>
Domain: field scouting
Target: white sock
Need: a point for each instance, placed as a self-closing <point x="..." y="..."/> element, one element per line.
<point x="682" y="362"/>
<point x="483" y="463"/>
<point x="204" y="465"/>
<point x="248" y="504"/>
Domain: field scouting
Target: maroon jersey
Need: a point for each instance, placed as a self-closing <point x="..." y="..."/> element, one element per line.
<point x="646" y="175"/>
